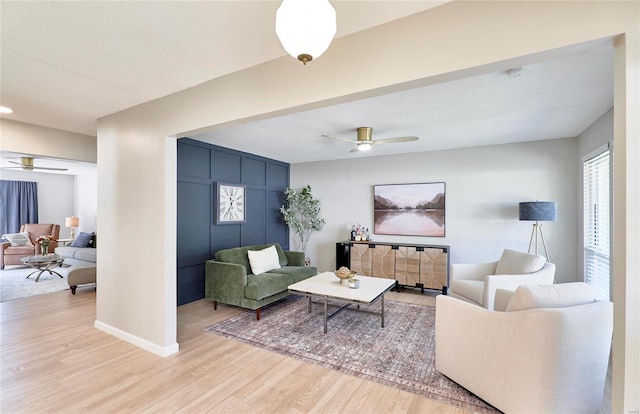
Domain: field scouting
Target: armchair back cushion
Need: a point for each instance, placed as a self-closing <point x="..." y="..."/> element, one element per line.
<point x="513" y="262"/>
<point x="551" y="296"/>
<point x="36" y="230"/>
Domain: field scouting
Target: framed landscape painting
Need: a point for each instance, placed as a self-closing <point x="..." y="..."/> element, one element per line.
<point x="409" y="209"/>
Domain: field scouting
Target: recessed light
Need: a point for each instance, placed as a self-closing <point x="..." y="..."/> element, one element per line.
<point x="5" y="110"/>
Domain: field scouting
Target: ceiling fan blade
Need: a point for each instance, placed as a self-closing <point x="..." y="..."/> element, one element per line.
<point x="14" y="162"/>
<point x="49" y="168"/>
<point x="341" y="139"/>
<point x="394" y="140"/>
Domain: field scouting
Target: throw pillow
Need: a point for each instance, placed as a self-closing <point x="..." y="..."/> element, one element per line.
<point x="551" y="296"/>
<point x="82" y="240"/>
<point x="262" y="261"/>
<point x="514" y="262"/>
<point x="18" y="239"/>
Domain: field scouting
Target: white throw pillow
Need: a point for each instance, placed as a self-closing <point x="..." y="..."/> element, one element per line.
<point x="18" y="239"/>
<point x="262" y="261"/>
<point x="551" y="296"/>
<point x="514" y="262"/>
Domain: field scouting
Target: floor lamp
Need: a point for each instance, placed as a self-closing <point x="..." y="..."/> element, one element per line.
<point x="538" y="211"/>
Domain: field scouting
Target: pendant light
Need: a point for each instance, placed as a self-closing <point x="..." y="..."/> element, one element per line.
<point x="305" y="27"/>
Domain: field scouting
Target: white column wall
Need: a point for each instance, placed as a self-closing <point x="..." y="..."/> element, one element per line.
<point x="450" y="41"/>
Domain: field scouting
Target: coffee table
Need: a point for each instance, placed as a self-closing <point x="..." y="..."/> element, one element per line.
<point x="43" y="263"/>
<point x="326" y="286"/>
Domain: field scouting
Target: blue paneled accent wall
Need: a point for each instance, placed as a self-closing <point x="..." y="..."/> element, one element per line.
<point x="200" y="167"/>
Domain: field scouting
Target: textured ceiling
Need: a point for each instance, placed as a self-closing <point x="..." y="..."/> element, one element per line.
<point x="65" y="64"/>
<point x="549" y="100"/>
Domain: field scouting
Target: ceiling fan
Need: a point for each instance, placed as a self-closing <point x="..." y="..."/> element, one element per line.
<point x="26" y="163"/>
<point x="364" y="140"/>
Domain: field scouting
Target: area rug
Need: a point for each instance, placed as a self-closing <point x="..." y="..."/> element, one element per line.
<point x="401" y="355"/>
<point x="15" y="285"/>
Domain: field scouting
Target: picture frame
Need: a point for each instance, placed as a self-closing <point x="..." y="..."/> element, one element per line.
<point x="410" y="209"/>
<point x="230" y="203"/>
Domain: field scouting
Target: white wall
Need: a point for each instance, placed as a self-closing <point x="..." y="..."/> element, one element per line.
<point x="56" y="195"/>
<point x="483" y="188"/>
<point x="86" y="206"/>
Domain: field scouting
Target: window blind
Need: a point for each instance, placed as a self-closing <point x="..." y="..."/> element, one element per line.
<point x="597" y="234"/>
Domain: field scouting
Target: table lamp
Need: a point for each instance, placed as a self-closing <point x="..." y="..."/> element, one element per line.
<point x="72" y="222"/>
<point x="538" y="211"/>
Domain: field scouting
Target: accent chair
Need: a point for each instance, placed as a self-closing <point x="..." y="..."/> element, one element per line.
<point x="548" y="352"/>
<point x="11" y="255"/>
<point x="477" y="283"/>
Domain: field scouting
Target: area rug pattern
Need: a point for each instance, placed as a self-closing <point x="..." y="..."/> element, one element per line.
<point x="15" y="285"/>
<point x="402" y="354"/>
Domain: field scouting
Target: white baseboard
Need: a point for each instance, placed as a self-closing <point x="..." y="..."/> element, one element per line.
<point x="137" y="341"/>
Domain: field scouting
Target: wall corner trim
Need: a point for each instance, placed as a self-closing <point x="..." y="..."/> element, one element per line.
<point x="137" y="341"/>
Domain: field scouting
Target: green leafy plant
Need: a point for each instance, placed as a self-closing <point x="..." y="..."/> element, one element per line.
<point x="301" y="213"/>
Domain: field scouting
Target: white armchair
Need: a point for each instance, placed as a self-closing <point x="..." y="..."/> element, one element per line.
<point x="477" y="283"/>
<point x="548" y="353"/>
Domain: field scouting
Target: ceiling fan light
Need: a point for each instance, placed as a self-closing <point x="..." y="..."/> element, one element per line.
<point x="364" y="147"/>
<point x="5" y="110"/>
<point x="305" y="27"/>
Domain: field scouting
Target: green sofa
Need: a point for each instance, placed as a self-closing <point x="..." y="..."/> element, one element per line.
<point x="229" y="278"/>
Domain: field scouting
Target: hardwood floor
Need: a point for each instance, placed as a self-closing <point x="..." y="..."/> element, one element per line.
<point x="53" y="360"/>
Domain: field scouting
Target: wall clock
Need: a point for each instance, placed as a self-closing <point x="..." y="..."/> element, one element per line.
<point x="231" y="203"/>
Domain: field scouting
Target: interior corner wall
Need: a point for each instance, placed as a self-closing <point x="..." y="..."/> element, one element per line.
<point x="483" y="188"/>
<point x="200" y="167"/>
<point x="56" y="193"/>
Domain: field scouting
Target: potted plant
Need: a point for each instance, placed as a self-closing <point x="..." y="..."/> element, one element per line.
<point x="301" y="213"/>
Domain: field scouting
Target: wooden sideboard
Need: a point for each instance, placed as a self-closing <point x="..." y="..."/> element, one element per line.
<point x="415" y="265"/>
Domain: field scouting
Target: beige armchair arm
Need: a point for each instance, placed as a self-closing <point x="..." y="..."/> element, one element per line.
<point x="465" y="271"/>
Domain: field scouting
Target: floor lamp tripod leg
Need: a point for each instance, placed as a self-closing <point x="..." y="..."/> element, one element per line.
<point x="544" y="244"/>
<point x="533" y="230"/>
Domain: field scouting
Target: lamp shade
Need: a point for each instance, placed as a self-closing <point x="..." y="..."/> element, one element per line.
<point x="538" y="211"/>
<point x="305" y="27"/>
<point x="72" y="221"/>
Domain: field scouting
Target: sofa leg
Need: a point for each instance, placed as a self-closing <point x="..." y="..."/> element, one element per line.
<point x="73" y="289"/>
<point x="215" y="305"/>
<point x="258" y="314"/>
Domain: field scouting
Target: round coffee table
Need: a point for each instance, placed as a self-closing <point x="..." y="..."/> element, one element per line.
<point x="43" y="263"/>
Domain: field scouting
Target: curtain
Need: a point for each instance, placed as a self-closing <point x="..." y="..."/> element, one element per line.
<point x="18" y="205"/>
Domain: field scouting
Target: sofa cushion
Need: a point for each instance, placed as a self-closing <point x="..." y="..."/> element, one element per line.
<point x="262" y="261"/>
<point x="470" y="289"/>
<point x="18" y="239"/>
<point x="238" y="255"/>
<point x="20" y="250"/>
<point x="86" y="254"/>
<point x="551" y="296"/>
<point x="514" y="262"/>
<point x="83" y="240"/>
<point x="297" y="273"/>
<point x="263" y="286"/>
